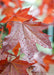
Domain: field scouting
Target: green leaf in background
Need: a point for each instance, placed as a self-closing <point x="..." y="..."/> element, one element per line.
<point x="5" y="31"/>
<point x="42" y="49"/>
<point x="21" y="55"/>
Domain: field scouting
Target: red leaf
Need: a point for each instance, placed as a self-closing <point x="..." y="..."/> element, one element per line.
<point x="8" y="11"/>
<point x="15" y="67"/>
<point x="49" y="19"/>
<point x="9" y="28"/>
<point x="49" y="59"/>
<point x="27" y="34"/>
<point x="16" y="48"/>
<point x="3" y="64"/>
<point x="21" y="15"/>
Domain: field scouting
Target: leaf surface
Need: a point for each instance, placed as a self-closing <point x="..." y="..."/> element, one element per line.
<point x="27" y="34"/>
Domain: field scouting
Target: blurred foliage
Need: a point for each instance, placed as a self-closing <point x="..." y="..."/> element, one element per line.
<point x="53" y="48"/>
<point x="5" y="30"/>
<point x="45" y="31"/>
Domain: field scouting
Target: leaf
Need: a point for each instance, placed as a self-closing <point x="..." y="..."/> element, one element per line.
<point x="27" y="34"/>
<point x="21" y="15"/>
<point x="48" y="19"/>
<point x="8" y="11"/>
<point x="15" y="67"/>
<point x="9" y="28"/>
<point x="16" y="48"/>
<point x="49" y="59"/>
<point x="3" y="64"/>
